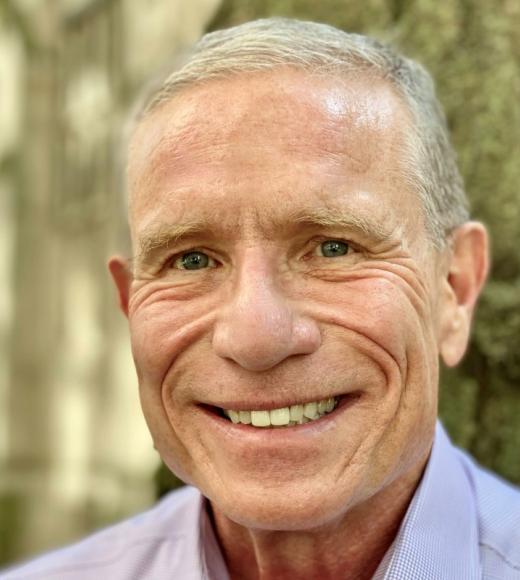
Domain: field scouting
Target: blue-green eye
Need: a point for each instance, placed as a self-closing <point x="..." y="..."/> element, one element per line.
<point x="193" y="261"/>
<point x="333" y="248"/>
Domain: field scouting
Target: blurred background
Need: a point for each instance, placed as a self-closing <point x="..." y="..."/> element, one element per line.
<point x="74" y="451"/>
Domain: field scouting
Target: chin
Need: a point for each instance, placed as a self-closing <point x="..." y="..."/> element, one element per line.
<point x="287" y="508"/>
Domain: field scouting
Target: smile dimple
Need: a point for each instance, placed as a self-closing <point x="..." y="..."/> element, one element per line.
<point x="284" y="416"/>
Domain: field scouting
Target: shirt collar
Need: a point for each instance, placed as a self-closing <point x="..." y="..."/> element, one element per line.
<point x="439" y="534"/>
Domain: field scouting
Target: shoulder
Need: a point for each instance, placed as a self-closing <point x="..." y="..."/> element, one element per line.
<point x="498" y="508"/>
<point x="152" y="540"/>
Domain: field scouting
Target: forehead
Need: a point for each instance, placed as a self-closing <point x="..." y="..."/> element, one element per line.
<point x="256" y="138"/>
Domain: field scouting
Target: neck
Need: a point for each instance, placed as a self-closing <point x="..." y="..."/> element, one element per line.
<point x="350" y="547"/>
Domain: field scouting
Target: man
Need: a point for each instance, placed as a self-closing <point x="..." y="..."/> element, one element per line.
<point x="302" y="259"/>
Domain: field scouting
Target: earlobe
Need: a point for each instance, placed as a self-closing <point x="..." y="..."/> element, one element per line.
<point x="463" y="282"/>
<point x="122" y="276"/>
<point x="455" y="338"/>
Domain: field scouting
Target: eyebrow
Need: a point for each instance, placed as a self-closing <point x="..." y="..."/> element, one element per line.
<point x="158" y="238"/>
<point x="341" y="219"/>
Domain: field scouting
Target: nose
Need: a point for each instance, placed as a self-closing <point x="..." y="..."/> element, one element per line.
<point x="259" y="327"/>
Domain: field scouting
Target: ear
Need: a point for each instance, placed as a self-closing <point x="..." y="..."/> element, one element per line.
<point x="122" y="276"/>
<point x="462" y="283"/>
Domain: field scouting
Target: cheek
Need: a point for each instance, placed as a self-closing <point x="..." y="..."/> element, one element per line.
<point x="162" y="329"/>
<point x="379" y="311"/>
<point x="399" y="321"/>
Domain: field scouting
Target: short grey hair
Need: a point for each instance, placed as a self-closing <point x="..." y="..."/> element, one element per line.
<point x="262" y="45"/>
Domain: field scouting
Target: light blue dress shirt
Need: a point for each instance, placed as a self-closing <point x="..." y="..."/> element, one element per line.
<point x="462" y="524"/>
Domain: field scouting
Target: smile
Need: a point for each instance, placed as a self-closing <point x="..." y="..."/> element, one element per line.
<point x="284" y="416"/>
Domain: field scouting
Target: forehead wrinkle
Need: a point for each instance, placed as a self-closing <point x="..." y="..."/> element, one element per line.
<point x="187" y="130"/>
<point x="171" y="148"/>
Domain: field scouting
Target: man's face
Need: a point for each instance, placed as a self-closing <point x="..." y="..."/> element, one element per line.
<point x="280" y="259"/>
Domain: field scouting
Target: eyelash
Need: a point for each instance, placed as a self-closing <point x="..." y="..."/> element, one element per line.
<point x="351" y="247"/>
<point x="316" y="243"/>
<point x="170" y="262"/>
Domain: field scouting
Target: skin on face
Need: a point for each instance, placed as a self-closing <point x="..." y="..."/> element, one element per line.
<point x="256" y="173"/>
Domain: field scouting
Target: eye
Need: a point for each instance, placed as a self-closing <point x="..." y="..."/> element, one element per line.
<point x="193" y="261"/>
<point x="333" y="249"/>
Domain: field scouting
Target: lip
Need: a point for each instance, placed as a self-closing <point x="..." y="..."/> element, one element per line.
<point x="264" y="435"/>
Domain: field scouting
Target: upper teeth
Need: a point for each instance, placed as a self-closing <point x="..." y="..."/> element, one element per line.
<point x="284" y="416"/>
